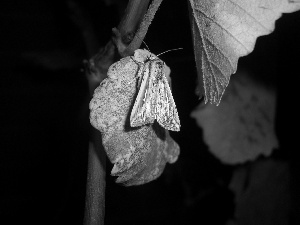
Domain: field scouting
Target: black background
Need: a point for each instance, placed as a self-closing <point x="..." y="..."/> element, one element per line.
<point x="44" y="118"/>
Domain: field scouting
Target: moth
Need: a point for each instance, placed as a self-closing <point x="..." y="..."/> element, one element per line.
<point x="154" y="100"/>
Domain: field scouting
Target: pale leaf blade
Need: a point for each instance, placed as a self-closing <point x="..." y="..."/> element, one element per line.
<point x="224" y="30"/>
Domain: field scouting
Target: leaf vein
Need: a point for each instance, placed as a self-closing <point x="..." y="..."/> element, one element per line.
<point x="220" y="50"/>
<point x="222" y="28"/>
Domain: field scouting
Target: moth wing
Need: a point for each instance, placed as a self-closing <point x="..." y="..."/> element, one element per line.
<point x="142" y="111"/>
<point x="166" y="111"/>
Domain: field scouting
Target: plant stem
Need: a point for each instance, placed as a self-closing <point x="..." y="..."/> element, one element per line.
<point x="126" y="39"/>
<point x="95" y="193"/>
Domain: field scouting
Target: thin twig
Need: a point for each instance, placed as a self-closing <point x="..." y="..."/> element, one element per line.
<point x="142" y="31"/>
<point x="133" y="16"/>
<point x="127" y="28"/>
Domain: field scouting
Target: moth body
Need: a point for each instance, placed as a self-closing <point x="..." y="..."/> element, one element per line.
<point x="154" y="100"/>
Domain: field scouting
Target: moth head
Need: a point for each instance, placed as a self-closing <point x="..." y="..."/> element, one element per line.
<point x="143" y="55"/>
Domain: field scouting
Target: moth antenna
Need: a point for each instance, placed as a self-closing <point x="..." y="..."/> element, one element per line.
<point x="146" y="46"/>
<point x="174" y="49"/>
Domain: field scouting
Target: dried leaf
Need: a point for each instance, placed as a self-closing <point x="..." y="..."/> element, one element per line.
<point x="139" y="154"/>
<point x="224" y="30"/>
<point x="242" y="127"/>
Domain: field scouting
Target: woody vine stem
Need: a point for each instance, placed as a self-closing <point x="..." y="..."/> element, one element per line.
<point x="126" y="39"/>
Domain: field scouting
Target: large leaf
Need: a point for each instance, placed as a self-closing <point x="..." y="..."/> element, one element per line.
<point x="139" y="154"/>
<point x="224" y="30"/>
